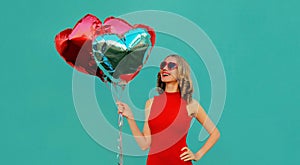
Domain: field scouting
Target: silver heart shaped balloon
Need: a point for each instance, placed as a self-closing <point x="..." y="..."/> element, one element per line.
<point x="122" y="57"/>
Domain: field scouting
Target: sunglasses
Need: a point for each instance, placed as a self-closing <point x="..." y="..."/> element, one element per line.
<point x="170" y="65"/>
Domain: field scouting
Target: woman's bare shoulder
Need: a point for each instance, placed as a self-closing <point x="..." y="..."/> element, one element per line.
<point x="193" y="108"/>
<point x="148" y="107"/>
<point x="149" y="103"/>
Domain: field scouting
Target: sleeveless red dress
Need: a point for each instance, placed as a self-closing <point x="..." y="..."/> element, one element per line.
<point x="169" y="124"/>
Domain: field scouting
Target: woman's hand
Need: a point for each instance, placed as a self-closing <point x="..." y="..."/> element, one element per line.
<point x="124" y="109"/>
<point x="188" y="155"/>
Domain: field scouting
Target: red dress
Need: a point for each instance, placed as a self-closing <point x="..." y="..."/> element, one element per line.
<point x="169" y="124"/>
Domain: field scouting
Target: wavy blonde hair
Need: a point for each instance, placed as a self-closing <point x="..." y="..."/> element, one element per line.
<point x="184" y="80"/>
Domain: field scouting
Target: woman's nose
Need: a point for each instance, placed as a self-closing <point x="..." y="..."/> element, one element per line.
<point x="165" y="67"/>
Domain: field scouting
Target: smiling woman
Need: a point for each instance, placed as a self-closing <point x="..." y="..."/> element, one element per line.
<point x="168" y="117"/>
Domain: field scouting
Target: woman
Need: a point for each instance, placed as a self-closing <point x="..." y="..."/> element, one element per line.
<point x="168" y="117"/>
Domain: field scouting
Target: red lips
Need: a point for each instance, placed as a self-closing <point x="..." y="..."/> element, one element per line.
<point x="164" y="72"/>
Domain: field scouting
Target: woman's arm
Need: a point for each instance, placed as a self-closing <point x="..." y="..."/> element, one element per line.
<point x="142" y="138"/>
<point x="213" y="131"/>
<point x="209" y="126"/>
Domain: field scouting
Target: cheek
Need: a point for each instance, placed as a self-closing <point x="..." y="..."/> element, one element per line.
<point x="174" y="74"/>
<point x="172" y="77"/>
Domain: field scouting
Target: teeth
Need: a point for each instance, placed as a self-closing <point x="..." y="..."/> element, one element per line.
<point x="165" y="74"/>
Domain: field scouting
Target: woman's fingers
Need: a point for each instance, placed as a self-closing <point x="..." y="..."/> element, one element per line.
<point x="123" y="109"/>
<point x="120" y="111"/>
<point x="184" y="148"/>
<point x="120" y="107"/>
<point x="119" y="103"/>
<point x="186" y="158"/>
<point x="183" y="154"/>
<point x="187" y="155"/>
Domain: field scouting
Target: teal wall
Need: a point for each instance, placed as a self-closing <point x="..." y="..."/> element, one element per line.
<point x="258" y="42"/>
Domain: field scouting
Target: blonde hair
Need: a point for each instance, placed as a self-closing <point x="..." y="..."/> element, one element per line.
<point x="184" y="80"/>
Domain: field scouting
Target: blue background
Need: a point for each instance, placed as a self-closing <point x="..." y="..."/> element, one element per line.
<point x="258" y="42"/>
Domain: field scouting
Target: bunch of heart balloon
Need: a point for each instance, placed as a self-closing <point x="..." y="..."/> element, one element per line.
<point x="113" y="50"/>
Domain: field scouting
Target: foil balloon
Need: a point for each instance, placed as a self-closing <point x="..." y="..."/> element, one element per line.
<point x="75" y="46"/>
<point x="122" y="50"/>
<point x="114" y="51"/>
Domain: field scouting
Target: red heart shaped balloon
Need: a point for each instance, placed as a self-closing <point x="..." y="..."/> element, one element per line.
<point x="120" y="27"/>
<point x="75" y="45"/>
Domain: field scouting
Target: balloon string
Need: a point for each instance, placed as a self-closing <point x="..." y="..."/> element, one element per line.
<point x="120" y="122"/>
<point x="119" y="94"/>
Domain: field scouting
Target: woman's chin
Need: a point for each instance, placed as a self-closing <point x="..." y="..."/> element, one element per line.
<point x="167" y="80"/>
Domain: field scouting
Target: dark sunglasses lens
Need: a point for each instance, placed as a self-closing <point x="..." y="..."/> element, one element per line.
<point x="162" y="65"/>
<point x="171" y="65"/>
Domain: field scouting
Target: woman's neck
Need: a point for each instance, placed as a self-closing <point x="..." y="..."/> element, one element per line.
<point x="172" y="87"/>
